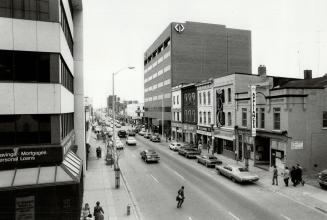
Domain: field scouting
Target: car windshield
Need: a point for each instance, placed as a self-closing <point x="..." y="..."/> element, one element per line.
<point x="151" y="152"/>
<point x="242" y="169"/>
<point x="212" y="157"/>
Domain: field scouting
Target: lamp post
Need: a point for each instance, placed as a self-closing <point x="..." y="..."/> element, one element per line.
<point x="116" y="166"/>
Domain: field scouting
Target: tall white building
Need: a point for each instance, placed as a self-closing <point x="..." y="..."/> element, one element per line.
<point x="42" y="133"/>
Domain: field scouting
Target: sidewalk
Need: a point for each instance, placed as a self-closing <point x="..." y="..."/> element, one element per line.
<point x="99" y="185"/>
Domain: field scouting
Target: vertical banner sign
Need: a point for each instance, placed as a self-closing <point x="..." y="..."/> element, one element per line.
<point x="253" y="111"/>
<point x="25" y="208"/>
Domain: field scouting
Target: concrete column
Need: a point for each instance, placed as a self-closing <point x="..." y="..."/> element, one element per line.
<point x="79" y="114"/>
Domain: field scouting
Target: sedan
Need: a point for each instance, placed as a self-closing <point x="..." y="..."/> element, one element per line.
<point x="208" y="160"/>
<point x="174" y="146"/>
<point x="192" y="153"/>
<point x="130" y="141"/>
<point x="322" y="179"/>
<point x="149" y="156"/>
<point x="141" y="133"/>
<point x="119" y="145"/>
<point x="147" y="135"/>
<point x="155" y="138"/>
<point x="236" y="173"/>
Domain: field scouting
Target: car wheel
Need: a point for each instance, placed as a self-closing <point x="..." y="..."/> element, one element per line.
<point x="233" y="179"/>
<point x="218" y="172"/>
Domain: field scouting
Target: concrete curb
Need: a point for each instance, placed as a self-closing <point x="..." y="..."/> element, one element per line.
<point x="137" y="212"/>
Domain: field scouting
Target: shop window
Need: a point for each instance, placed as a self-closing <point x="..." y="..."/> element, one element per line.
<point x="276" y="118"/>
<point x="244" y="117"/>
<point x="229" y="119"/>
<point x="324" y="119"/>
<point x="209" y="98"/>
<point x="262" y="117"/>
<point x="229" y="94"/>
<point x="228" y="145"/>
<point x="6" y="65"/>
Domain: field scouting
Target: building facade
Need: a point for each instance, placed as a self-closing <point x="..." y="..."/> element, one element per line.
<point x="190" y="52"/>
<point x="42" y="128"/>
<point x="176" y="111"/>
<point x="189" y="113"/>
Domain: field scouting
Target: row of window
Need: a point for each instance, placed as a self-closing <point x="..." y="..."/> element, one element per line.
<point x="157" y="51"/>
<point x="189" y="116"/>
<point x="155" y="63"/>
<point x="22" y="66"/>
<point x="65" y="28"/>
<point x="203" y="97"/>
<point x="176" y="100"/>
<point x="157" y="86"/>
<point x="25" y="129"/>
<point x="260" y="118"/>
<point x="189" y="98"/>
<point x="66" y="124"/>
<point x="155" y="75"/>
<point x="158" y="97"/>
<point x="25" y="9"/>
<point x="204" y="116"/>
<point x="157" y="109"/>
<point x="177" y="116"/>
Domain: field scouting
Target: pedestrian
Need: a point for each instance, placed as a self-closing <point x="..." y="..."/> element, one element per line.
<point x="275" y="176"/>
<point x="86" y="213"/>
<point x="286" y="175"/>
<point x="98" y="151"/>
<point x="208" y="148"/>
<point x="293" y="176"/>
<point x="98" y="212"/>
<point x="180" y="197"/>
<point x="299" y="174"/>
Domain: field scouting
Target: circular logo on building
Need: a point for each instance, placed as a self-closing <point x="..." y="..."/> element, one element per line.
<point x="179" y="28"/>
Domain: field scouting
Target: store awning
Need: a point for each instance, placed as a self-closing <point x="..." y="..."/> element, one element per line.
<point x="68" y="172"/>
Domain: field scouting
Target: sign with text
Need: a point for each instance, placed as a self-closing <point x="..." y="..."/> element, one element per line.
<point x="25" y="208"/>
<point x="296" y="145"/>
<point x="253" y="111"/>
<point x="30" y="156"/>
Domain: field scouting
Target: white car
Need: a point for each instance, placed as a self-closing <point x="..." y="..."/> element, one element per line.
<point x="174" y="146"/>
<point x="119" y="145"/>
<point x="141" y="133"/>
<point x="236" y="173"/>
<point x="130" y="141"/>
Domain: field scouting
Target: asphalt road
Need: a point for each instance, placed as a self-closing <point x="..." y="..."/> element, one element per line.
<point x="208" y="195"/>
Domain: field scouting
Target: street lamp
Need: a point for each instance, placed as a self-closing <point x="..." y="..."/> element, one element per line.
<point x="116" y="167"/>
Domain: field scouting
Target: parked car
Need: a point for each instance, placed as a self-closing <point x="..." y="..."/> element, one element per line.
<point x="119" y="145"/>
<point x="236" y="173"/>
<point x="192" y="153"/>
<point x="208" y="160"/>
<point x="122" y="133"/>
<point x="174" y="146"/>
<point x="155" y="138"/>
<point x="141" y="133"/>
<point x="147" y="135"/>
<point x="130" y="141"/>
<point x="322" y="179"/>
<point x="183" y="150"/>
<point x="118" y="125"/>
<point x="149" y="156"/>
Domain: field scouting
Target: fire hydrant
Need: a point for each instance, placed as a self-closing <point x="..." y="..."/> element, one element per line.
<point x="128" y="209"/>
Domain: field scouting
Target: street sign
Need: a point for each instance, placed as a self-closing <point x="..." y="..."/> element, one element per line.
<point x="253" y="111"/>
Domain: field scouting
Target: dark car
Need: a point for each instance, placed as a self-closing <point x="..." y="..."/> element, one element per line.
<point x="155" y="138"/>
<point x="192" y="153"/>
<point x="122" y="133"/>
<point x="322" y="179"/>
<point x="149" y="156"/>
<point x="208" y="160"/>
<point x="131" y="133"/>
<point x="147" y="135"/>
<point x="182" y="150"/>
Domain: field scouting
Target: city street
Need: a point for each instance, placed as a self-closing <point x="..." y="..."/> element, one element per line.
<point x="208" y="195"/>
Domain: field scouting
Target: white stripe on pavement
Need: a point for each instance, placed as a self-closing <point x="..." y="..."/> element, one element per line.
<point x="234" y="216"/>
<point x="179" y="175"/>
<point x="189" y="218"/>
<point x="154" y="178"/>
<point x="284" y="216"/>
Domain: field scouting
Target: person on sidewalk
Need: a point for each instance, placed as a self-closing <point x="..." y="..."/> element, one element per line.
<point x="86" y="213"/>
<point x="293" y="176"/>
<point x="286" y="175"/>
<point x="299" y="172"/>
<point x="275" y="176"/>
<point x="98" y="212"/>
<point x="208" y="148"/>
<point x="180" y="197"/>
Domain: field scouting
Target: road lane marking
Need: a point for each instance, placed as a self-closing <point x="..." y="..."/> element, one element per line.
<point x="154" y="178"/>
<point x="234" y="216"/>
<point x="179" y="175"/>
<point x="189" y="218"/>
<point x="284" y="216"/>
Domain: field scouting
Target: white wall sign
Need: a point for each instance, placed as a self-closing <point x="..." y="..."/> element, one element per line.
<point x="25" y="208"/>
<point x="296" y="145"/>
<point x="253" y="111"/>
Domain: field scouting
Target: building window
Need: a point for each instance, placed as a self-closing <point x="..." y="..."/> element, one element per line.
<point x="244" y="117"/>
<point x="324" y="119"/>
<point x="276" y="118"/>
<point x="174" y="116"/>
<point x="6" y="65"/>
<point x="209" y="118"/>
<point x="66" y="29"/>
<point x="189" y="116"/>
<point x="200" y="99"/>
<point x="67" y="79"/>
<point x="229" y="94"/>
<point x="262" y="117"/>
<point x="66" y="124"/>
<point x="193" y="98"/>
<point x="204" y="117"/>
<point x="177" y="99"/>
<point x="228" y="145"/>
<point x="193" y="116"/>
<point x="200" y="117"/>
<point x="185" y="98"/>
<point x="209" y="98"/>
<point x="185" y="115"/>
<point x="229" y="119"/>
<point x="178" y="116"/>
<point x="174" y="100"/>
<point x="204" y="98"/>
<point x="223" y="95"/>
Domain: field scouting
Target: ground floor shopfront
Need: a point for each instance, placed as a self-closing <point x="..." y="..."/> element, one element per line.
<point x="176" y="131"/>
<point x="189" y="133"/>
<point x="204" y="136"/>
<point x="224" y="142"/>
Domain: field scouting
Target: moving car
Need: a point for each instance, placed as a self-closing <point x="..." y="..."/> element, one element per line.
<point x="122" y="133"/>
<point x="322" y="179"/>
<point x="174" y="146"/>
<point x="141" y="133"/>
<point x="131" y="133"/>
<point x="236" y="173"/>
<point x="155" y="138"/>
<point x="119" y="145"/>
<point x="147" y="135"/>
<point x="149" y="156"/>
<point x="208" y="160"/>
<point x="130" y="141"/>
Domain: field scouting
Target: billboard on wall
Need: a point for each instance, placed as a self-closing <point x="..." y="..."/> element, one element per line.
<point x="253" y="111"/>
<point x="220" y="116"/>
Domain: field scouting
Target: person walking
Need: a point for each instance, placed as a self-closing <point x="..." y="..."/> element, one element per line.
<point x="299" y="174"/>
<point x="180" y="197"/>
<point x="86" y="213"/>
<point x="286" y="175"/>
<point x="293" y="175"/>
<point x="98" y="212"/>
<point x="275" y="176"/>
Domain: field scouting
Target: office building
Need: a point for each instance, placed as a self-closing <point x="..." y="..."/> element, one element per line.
<point x="189" y="52"/>
<point x="42" y="130"/>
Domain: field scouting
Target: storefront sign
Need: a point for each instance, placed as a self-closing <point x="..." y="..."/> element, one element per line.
<point x="27" y="157"/>
<point x="25" y="208"/>
<point x="201" y="128"/>
<point x="204" y="133"/>
<point x="296" y="145"/>
<point x="253" y="111"/>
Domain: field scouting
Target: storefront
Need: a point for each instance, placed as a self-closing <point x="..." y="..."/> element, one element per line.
<point x="189" y="133"/>
<point x="40" y="183"/>
<point x="204" y="135"/>
<point x="224" y="142"/>
<point x="176" y="131"/>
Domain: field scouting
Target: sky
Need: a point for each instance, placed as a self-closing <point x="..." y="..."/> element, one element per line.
<point x="288" y="36"/>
